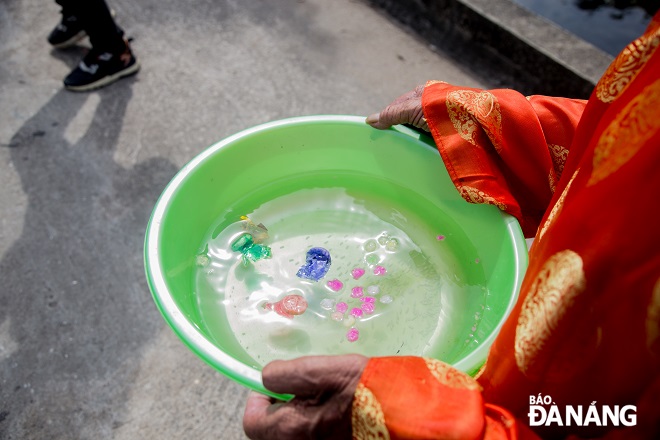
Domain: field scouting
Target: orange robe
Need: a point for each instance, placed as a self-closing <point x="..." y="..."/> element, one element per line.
<point x="584" y="179"/>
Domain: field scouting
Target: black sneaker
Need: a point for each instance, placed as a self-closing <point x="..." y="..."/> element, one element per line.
<point x="67" y="33"/>
<point x="99" y="69"/>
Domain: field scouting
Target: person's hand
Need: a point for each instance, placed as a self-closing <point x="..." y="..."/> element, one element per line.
<point x="406" y="109"/>
<point x="323" y="387"/>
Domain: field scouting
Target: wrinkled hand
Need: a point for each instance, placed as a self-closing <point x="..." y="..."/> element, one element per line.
<point x="323" y="387"/>
<point x="406" y="109"/>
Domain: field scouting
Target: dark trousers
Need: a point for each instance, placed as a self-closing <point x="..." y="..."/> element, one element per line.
<point x="96" y="20"/>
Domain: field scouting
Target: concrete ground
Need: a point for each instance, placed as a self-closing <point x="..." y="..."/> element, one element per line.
<point x="84" y="354"/>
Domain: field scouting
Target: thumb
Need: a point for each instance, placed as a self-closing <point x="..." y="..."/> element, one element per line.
<point x="406" y="109"/>
<point x="307" y="376"/>
<point x="393" y="114"/>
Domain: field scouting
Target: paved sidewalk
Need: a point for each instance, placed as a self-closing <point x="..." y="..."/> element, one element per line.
<point x="84" y="354"/>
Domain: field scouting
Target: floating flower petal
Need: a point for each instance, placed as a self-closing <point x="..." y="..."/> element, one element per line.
<point x="379" y="270"/>
<point x="328" y="303"/>
<point x="357" y="273"/>
<point x="392" y="244"/>
<point x="368" y="308"/>
<point x="353" y="334"/>
<point x="357" y="292"/>
<point x="317" y="264"/>
<point x="337" y="316"/>
<point x="341" y="307"/>
<point x="356" y="312"/>
<point x="386" y="299"/>
<point x="373" y="290"/>
<point x="335" y="285"/>
<point x="289" y="306"/>
<point x="370" y="245"/>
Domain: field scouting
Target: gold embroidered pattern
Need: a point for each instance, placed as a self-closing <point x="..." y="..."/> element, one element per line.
<point x="434" y="81"/>
<point x="626" y="66"/>
<point x="367" y="416"/>
<point x="627" y="133"/>
<point x="551" y="181"/>
<point x="558" y="154"/>
<point x="450" y="376"/>
<point x="653" y="321"/>
<point x="552" y="293"/>
<point x="556" y="209"/>
<point x="473" y="195"/>
<point x="468" y="110"/>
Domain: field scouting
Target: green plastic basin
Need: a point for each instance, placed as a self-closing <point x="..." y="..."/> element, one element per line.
<point x="399" y="167"/>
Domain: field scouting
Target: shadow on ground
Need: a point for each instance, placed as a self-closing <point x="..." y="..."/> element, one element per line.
<point x="85" y="217"/>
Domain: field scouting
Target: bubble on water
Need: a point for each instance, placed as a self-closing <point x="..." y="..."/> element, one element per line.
<point x="382" y="240"/>
<point x="328" y="304"/>
<point x="370" y="245"/>
<point x="386" y="299"/>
